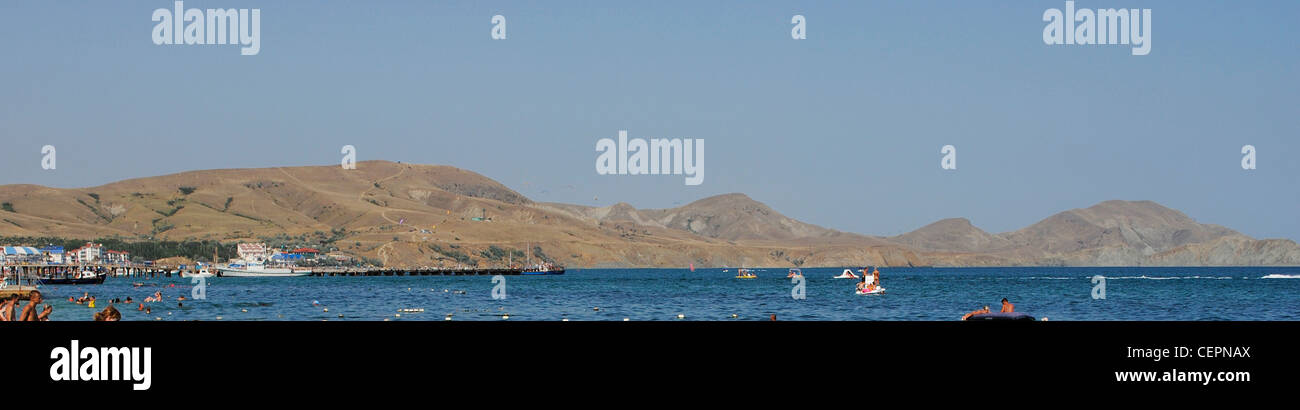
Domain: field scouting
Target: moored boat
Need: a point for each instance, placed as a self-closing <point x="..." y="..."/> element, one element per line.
<point x="83" y="278"/>
<point x="202" y="273"/>
<point x="259" y="270"/>
<point x="543" y="269"/>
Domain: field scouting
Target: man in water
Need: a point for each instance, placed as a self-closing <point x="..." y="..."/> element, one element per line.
<point x="1007" y="307"/>
<point x="976" y="312"/>
<point x="7" y="309"/>
<point x="29" y="312"/>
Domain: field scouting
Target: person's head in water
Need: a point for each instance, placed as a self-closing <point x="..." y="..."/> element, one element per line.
<point x="109" y="314"/>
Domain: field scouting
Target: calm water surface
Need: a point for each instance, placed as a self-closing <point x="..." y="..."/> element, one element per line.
<point x="1213" y="293"/>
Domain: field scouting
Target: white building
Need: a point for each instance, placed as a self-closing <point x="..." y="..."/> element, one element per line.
<point x="117" y="257"/>
<point x="253" y="251"/>
<point x="88" y="253"/>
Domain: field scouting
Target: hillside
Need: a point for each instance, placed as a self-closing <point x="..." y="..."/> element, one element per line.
<point x="424" y="215"/>
<point x="1111" y="233"/>
<point x="952" y="235"/>
<point x="428" y="215"/>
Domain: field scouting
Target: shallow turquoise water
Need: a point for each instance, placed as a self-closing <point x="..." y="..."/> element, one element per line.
<point x="711" y="294"/>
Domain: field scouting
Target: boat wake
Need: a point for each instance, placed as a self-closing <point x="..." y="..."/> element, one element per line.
<point x="1280" y="276"/>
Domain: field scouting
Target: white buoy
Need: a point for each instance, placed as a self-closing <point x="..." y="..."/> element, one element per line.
<point x="505" y="316"/>
<point x="626" y="319"/>
<point x="243" y="310"/>
<point x="733" y="316"/>
<point x="564" y="320"/>
<point x="218" y="317"/>
<point x="681" y="316"/>
<point x="597" y="309"/>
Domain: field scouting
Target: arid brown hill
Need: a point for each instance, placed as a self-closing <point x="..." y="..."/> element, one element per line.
<point x="428" y="215"/>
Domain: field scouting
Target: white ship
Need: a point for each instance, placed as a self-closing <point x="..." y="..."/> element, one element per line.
<point x="259" y="270"/>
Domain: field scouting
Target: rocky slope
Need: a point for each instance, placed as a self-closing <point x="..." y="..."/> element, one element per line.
<point x="425" y="215"/>
<point x="1111" y="233"/>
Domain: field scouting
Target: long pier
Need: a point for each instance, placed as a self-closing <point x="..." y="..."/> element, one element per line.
<point x="16" y="273"/>
<point x="426" y="272"/>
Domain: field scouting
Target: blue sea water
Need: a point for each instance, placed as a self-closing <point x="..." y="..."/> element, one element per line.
<point x="1164" y="293"/>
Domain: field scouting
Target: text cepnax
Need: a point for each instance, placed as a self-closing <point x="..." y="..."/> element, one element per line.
<point x="242" y="27"/>
<point x="661" y="156"/>
<point x="103" y="363"/>
<point x="1104" y="26"/>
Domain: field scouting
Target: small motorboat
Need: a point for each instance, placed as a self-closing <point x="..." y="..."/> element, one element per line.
<point x="202" y="273"/>
<point x="794" y="273"/>
<point x="876" y="291"/>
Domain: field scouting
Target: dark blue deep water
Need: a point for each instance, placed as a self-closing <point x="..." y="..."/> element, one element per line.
<point x="1202" y="293"/>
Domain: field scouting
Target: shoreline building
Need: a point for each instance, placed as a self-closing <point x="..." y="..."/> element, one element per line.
<point x="88" y="253"/>
<point x="53" y="255"/>
<point x="306" y="253"/>
<point x="252" y="252"/>
<point x="117" y="257"/>
<point x="339" y="257"/>
<point x="20" y="254"/>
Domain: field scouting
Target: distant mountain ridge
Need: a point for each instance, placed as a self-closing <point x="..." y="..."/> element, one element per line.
<point x="429" y="215"/>
<point x="1111" y="233"/>
<point x="730" y="217"/>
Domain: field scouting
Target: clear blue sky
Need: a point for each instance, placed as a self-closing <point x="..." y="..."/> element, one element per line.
<point x="842" y="129"/>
